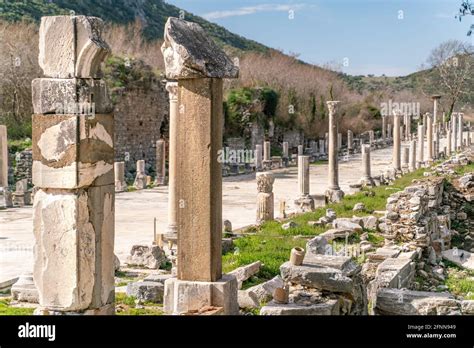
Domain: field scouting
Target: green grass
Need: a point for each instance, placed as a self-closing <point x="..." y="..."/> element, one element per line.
<point x="272" y="244"/>
<point x="460" y="282"/>
<point x="6" y="309"/>
<point x="127" y="306"/>
<point x="465" y="169"/>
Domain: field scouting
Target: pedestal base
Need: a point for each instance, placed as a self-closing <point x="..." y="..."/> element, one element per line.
<point x="187" y="297"/>
<point x="334" y="196"/>
<point x="24" y="290"/>
<point x="304" y="204"/>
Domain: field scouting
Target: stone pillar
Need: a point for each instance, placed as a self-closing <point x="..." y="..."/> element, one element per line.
<point x="396" y="160"/>
<point x="3" y="157"/>
<point x="435" y="98"/>
<point x="326" y="142"/>
<point x="408" y="127"/>
<point x="160" y="163"/>
<point x="258" y="156"/>
<point x="339" y="141"/>
<point x="448" y="143"/>
<point x="389" y="131"/>
<point x="425" y="128"/>
<point x="384" y="127"/>
<point x="412" y="158"/>
<point x="429" y="138"/>
<point x="350" y="141"/>
<point x="454" y="128"/>
<point x="460" y="130"/>
<point x="267" y="161"/>
<point x="421" y="145"/>
<point x="322" y="149"/>
<point x="140" y="178"/>
<point x="286" y="153"/>
<point x="300" y="150"/>
<point x="119" y="170"/>
<point x="371" y="138"/>
<point x="367" y="179"/>
<point x="265" y="198"/>
<point x="436" y="145"/>
<point x="73" y="171"/>
<point x="334" y="192"/>
<point x="172" y="227"/>
<point x="405" y="157"/>
<point x="200" y="66"/>
<point x="304" y="203"/>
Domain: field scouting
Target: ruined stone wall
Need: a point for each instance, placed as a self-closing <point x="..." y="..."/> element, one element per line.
<point x="24" y="164"/>
<point x="140" y="119"/>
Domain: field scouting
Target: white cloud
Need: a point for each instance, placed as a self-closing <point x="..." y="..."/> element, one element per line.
<point x="249" y="10"/>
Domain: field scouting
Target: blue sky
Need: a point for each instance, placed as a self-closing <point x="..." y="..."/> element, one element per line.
<point x="391" y="37"/>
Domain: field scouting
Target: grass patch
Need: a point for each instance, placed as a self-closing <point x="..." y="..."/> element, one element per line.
<point x="125" y="305"/>
<point x="464" y="169"/>
<point x="6" y="309"/>
<point x="460" y="282"/>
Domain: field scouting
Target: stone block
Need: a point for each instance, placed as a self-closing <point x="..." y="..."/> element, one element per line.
<point x="247" y="299"/>
<point x="264" y="291"/>
<point x="245" y="272"/>
<point x="395" y="273"/>
<point x="71" y="46"/>
<point x="331" y="307"/>
<point x="345" y="264"/>
<point x="146" y="291"/>
<point x="158" y="278"/>
<point x="182" y="296"/>
<point x="70" y="96"/>
<point x="6" y="199"/>
<point x="74" y="258"/>
<point x="24" y="290"/>
<point x="151" y="257"/>
<point x="73" y="151"/>
<point x="462" y="258"/>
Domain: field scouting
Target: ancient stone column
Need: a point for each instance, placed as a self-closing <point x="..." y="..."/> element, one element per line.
<point x="367" y="179"/>
<point x="286" y="153"/>
<point x="435" y="98"/>
<point x="266" y="151"/>
<point x="140" y="178"/>
<point x="421" y="145"/>
<point x="425" y="117"/>
<point x="304" y="203"/>
<point x="73" y="170"/>
<point x="454" y="128"/>
<point x="300" y="150"/>
<point x="436" y="145"/>
<point x="429" y="138"/>
<point x="412" y="158"/>
<point x="322" y="149"/>
<point x="265" y="198"/>
<point x="384" y="127"/>
<point x="339" y="141"/>
<point x="389" y="131"/>
<point x="396" y="160"/>
<point x="199" y="66"/>
<point x="3" y="157"/>
<point x="119" y="171"/>
<point x="350" y="141"/>
<point x="405" y="157"/>
<point x="371" y="138"/>
<point x="326" y="142"/>
<point x="408" y="127"/>
<point x="160" y="162"/>
<point x="448" y="142"/>
<point x="334" y="192"/>
<point x="460" y="130"/>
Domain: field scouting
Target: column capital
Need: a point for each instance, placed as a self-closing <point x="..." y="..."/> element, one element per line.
<point x="172" y="88"/>
<point x="332" y="106"/>
<point x="435" y="97"/>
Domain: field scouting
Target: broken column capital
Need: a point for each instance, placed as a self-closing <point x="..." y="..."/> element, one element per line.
<point x="265" y="182"/>
<point x="332" y="106"/>
<point x="172" y="88"/>
<point x="71" y="46"/>
<point x="189" y="53"/>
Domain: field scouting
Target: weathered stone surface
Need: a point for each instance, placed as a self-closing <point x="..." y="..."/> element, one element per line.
<point x="245" y="272"/>
<point x="72" y="151"/>
<point x="318" y="277"/>
<point x="151" y="257"/>
<point x="189" y="53"/>
<point x="406" y="302"/>
<point x="395" y="273"/>
<point x="337" y="233"/>
<point x="264" y="291"/>
<point x="158" y="278"/>
<point x="183" y="296"/>
<point x="6" y="200"/>
<point x="467" y="307"/>
<point x="370" y="222"/>
<point x="70" y="96"/>
<point x="247" y="299"/>
<point x="344" y="223"/>
<point x="331" y="307"/>
<point x="146" y="291"/>
<point x="71" y="46"/>
<point x="74" y="259"/>
<point x="343" y="263"/>
<point x="24" y="290"/>
<point x="116" y="263"/>
<point x="3" y="157"/>
<point x="318" y="245"/>
<point x="265" y="197"/>
<point x="460" y="257"/>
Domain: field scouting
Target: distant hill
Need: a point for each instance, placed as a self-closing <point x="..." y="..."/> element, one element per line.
<point x="152" y="13"/>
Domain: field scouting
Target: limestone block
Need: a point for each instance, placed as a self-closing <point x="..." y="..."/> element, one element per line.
<point x="247" y="299"/>
<point x="71" y="46"/>
<point x="406" y="302"/>
<point x="190" y="53"/>
<point x="245" y="272"/>
<point x="70" y="96"/>
<point x="343" y="263"/>
<point x="395" y="273"/>
<point x="467" y="307"/>
<point x="324" y="278"/>
<point x="6" y="200"/>
<point x="182" y="296"/>
<point x="331" y="307"/>
<point x="146" y="291"/>
<point x="73" y="151"/>
<point x="264" y="291"/>
<point x="74" y="242"/>
<point x="24" y="290"/>
<point x="462" y="258"/>
<point x="151" y="257"/>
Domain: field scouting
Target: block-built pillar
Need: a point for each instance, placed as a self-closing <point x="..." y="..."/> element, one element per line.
<point x="367" y="179"/>
<point x="172" y="227"/>
<point x="3" y="157"/>
<point x="160" y="163"/>
<point x="140" y="177"/>
<point x="421" y="145"/>
<point x="322" y="149"/>
<point x="371" y="138"/>
<point x="429" y="138"/>
<point x="305" y="202"/>
<point x="199" y="66"/>
<point x="396" y="159"/>
<point x="334" y="192"/>
<point x="300" y="150"/>
<point x="436" y="145"/>
<point x="73" y="170"/>
<point x="448" y="142"/>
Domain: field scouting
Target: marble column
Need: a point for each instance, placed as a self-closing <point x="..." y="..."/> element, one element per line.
<point x="300" y="150"/>
<point x="322" y="149"/>
<point x="304" y="203"/>
<point x="429" y="138"/>
<point x="371" y="138"/>
<point x="367" y="179"/>
<point x="265" y="197"/>
<point x="460" y="130"/>
<point x="286" y="153"/>
<point x="412" y="158"/>
<point x="339" y="141"/>
<point x="436" y="99"/>
<point x="267" y="161"/>
<point x="454" y="129"/>
<point x="384" y="127"/>
<point x="199" y="179"/>
<point x="448" y="142"/>
<point x="396" y="158"/>
<point x="421" y="146"/>
<point x="334" y="192"/>
<point x="436" y="145"/>
<point x="73" y="171"/>
<point x="172" y="227"/>
<point x="408" y="128"/>
<point x="119" y="170"/>
<point x="350" y="141"/>
<point x="140" y="182"/>
<point x="405" y="157"/>
<point x="160" y="163"/>
<point x="258" y="156"/>
<point x="3" y="157"/>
